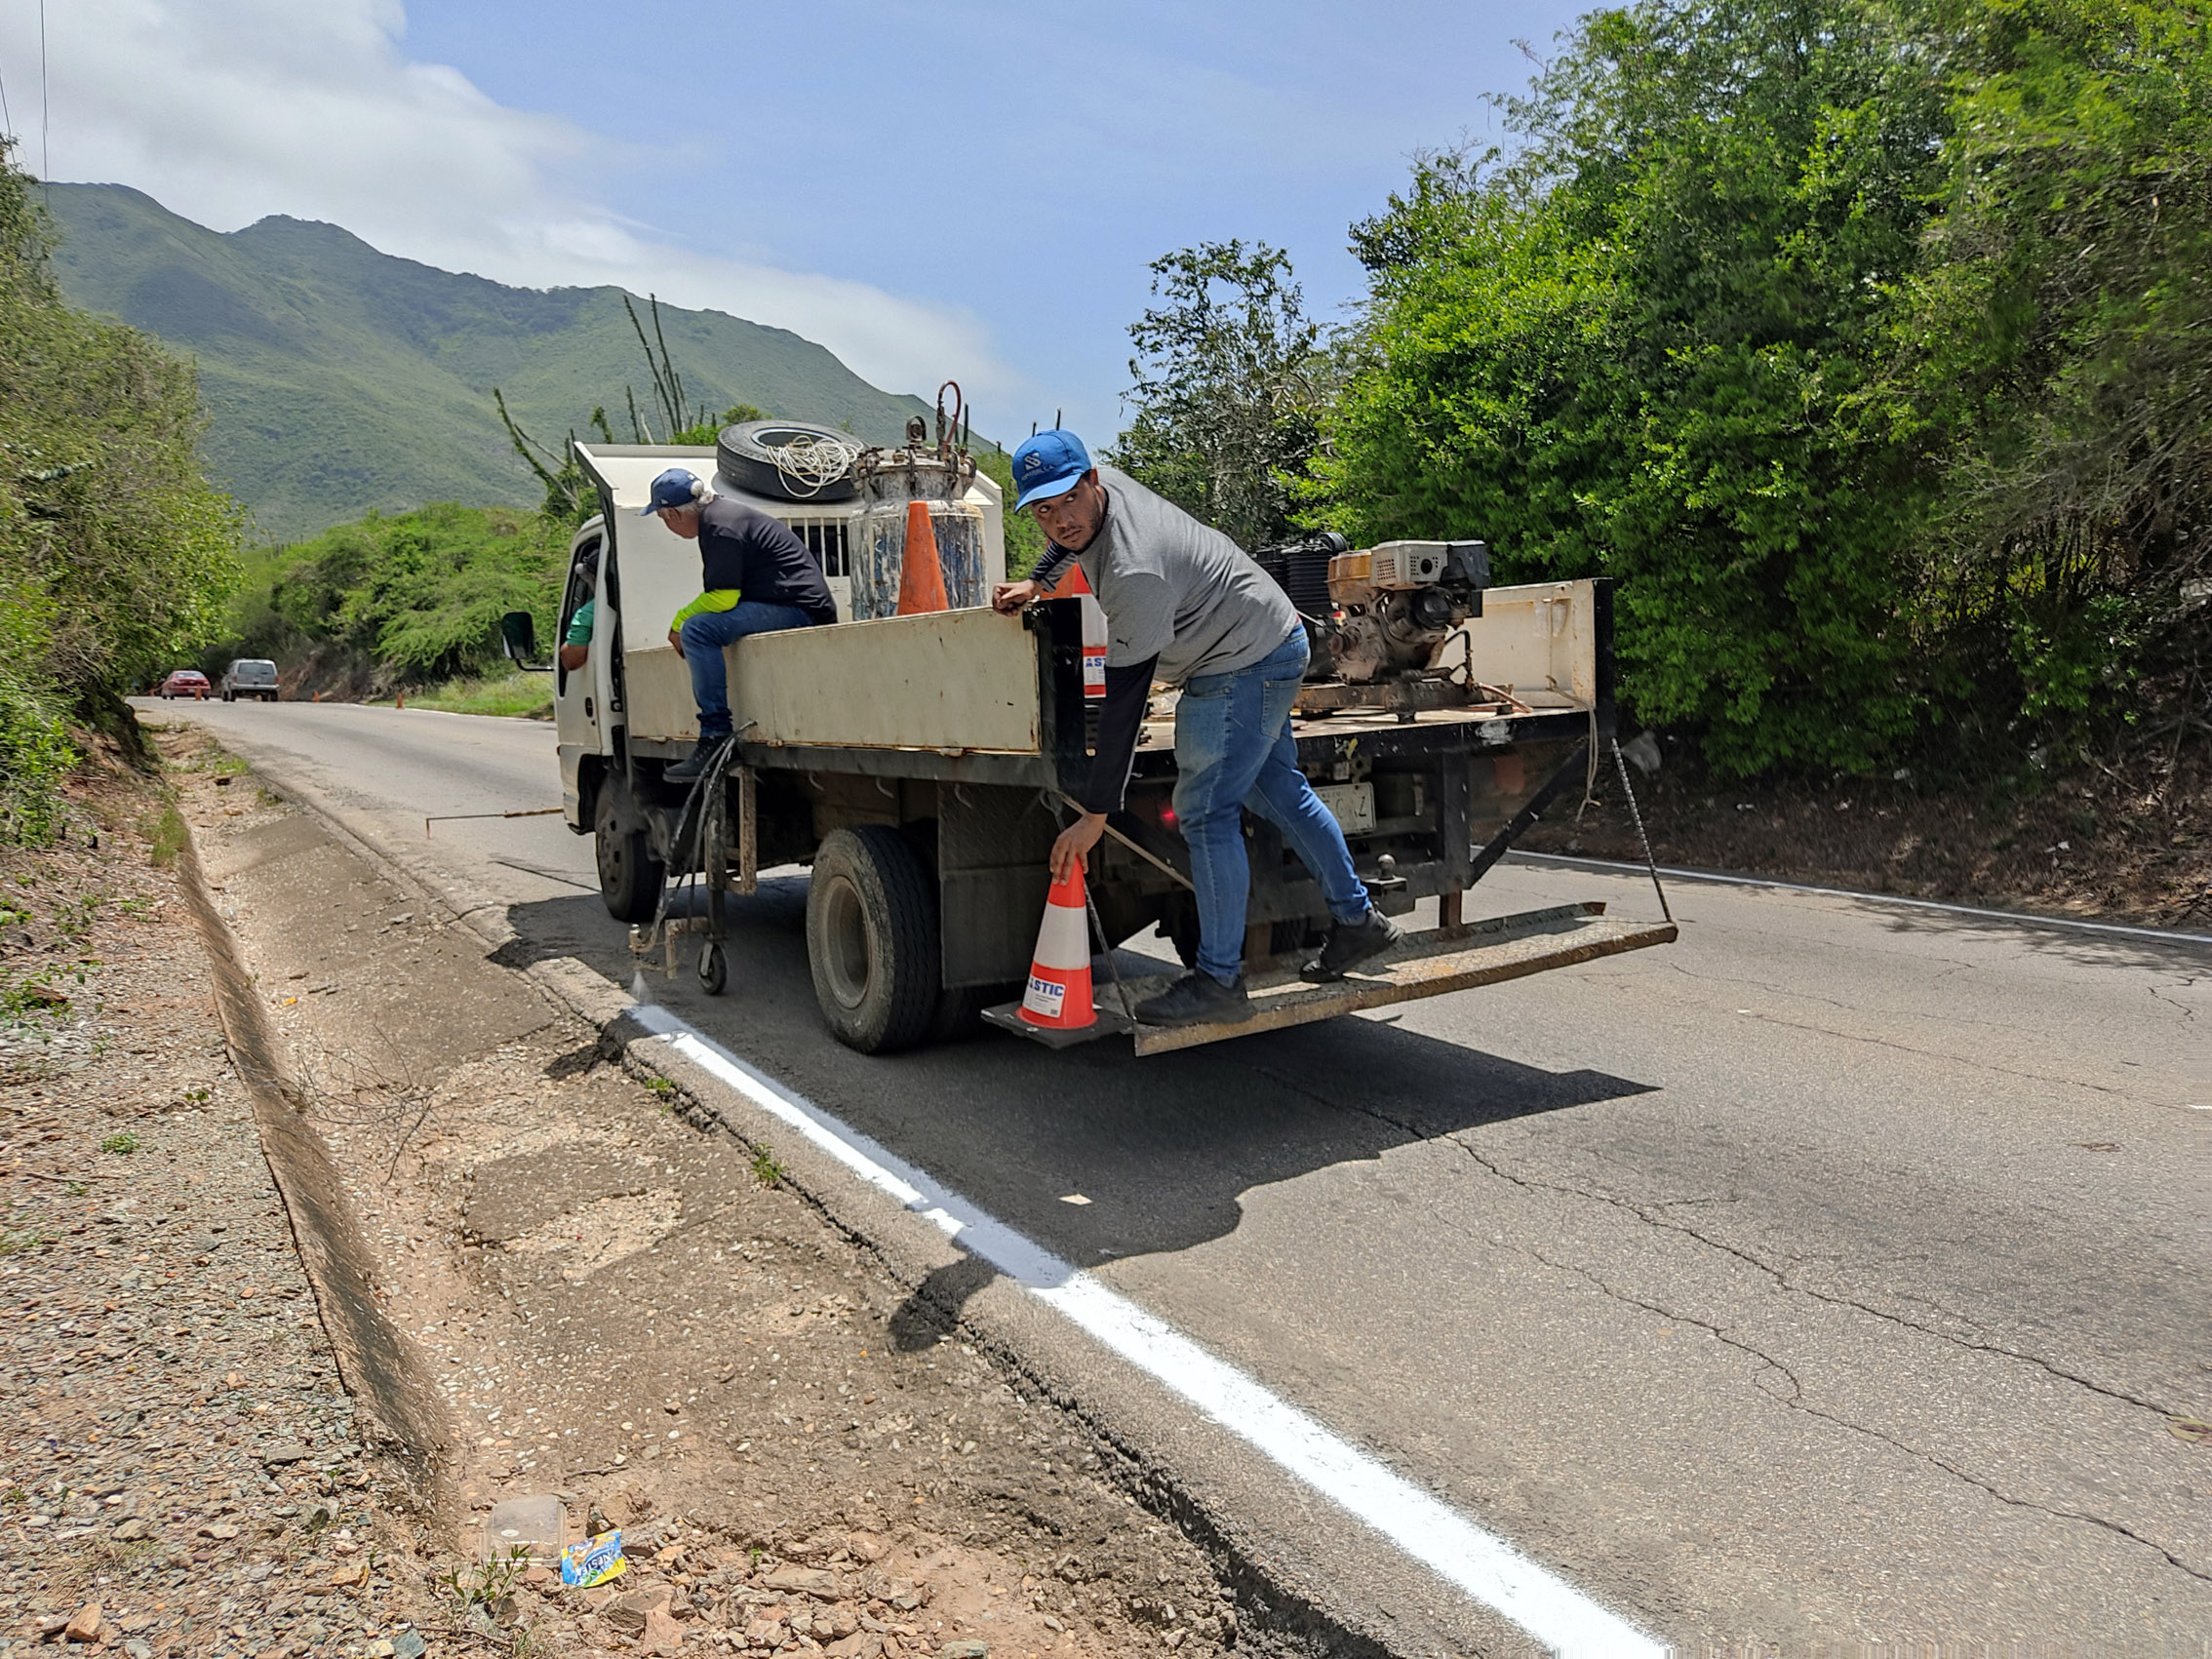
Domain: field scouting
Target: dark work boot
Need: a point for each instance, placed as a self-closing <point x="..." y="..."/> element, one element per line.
<point x="1350" y="943"/>
<point x="691" y="768"/>
<point x="1196" y="998"/>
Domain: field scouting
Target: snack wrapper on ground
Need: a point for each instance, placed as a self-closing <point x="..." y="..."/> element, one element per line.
<point x="594" y="1561"/>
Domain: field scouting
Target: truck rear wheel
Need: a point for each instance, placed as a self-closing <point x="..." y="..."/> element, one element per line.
<point x="872" y="939"/>
<point x="630" y="878"/>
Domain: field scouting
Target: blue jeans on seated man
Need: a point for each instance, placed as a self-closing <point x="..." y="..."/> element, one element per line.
<point x="1233" y="750"/>
<point x="706" y="633"/>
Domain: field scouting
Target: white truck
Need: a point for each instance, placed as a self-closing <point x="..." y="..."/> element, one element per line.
<point x="920" y="763"/>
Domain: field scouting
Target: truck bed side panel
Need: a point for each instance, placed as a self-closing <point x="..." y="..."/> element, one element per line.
<point x="945" y="680"/>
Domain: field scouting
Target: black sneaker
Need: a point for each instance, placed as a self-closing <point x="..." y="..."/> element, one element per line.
<point x="1196" y="998"/>
<point x="1350" y="943"/>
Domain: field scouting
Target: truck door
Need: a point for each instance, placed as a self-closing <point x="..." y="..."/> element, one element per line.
<point x="579" y="699"/>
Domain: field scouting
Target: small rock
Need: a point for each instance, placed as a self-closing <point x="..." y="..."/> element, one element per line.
<point x="136" y="1648"/>
<point x="378" y="1650"/>
<point x="222" y="1531"/>
<point x="968" y="1647"/>
<point x="131" y="1530"/>
<point x="662" y="1634"/>
<point x="631" y="1612"/>
<point x="85" y="1626"/>
<point x="289" y="1452"/>
<point x="407" y="1645"/>
<point x="812" y="1580"/>
<point x="868" y="1547"/>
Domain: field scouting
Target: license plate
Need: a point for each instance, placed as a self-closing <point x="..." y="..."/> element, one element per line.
<point x="1351" y="804"/>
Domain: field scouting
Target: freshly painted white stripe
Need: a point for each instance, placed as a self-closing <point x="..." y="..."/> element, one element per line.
<point x="1477" y="1563"/>
<point x="1715" y="878"/>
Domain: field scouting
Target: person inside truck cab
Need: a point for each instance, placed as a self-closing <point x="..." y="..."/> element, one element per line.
<point x="756" y="578"/>
<point x="576" y="642"/>
<point x="1187" y="605"/>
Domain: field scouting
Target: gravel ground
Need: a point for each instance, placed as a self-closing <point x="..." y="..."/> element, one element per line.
<point x="178" y="1468"/>
<point x="620" y="1312"/>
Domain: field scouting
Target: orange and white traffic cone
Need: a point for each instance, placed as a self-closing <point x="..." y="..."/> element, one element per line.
<point x="1058" y="997"/>
<point x="921" y="570"/>
<point x="1073" y="584"/>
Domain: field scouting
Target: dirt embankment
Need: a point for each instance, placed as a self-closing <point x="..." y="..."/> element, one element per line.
<point x="2129" y="847"/>
<point x="615" y="1310"/>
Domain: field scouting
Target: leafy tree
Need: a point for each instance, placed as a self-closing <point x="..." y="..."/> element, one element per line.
<point x="1231" y="377"/>
<point x="116" y="555"/>
<point x="420" y="592"/>
<point x="1649" y="345"/>
<point x="2056" y="337"/>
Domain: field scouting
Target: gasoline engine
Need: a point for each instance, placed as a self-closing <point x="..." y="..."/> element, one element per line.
<point x="1378" y="616"/>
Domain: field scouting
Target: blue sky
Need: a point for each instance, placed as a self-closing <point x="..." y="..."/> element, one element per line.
<point x="969" y="189"/>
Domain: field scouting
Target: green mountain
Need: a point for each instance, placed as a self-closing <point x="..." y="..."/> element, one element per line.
<point x="338" y="379"/>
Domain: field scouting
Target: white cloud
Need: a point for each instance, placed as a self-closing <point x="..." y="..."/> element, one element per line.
<point x="229" y="110"/>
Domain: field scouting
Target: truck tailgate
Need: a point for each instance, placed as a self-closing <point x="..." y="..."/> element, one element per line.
<point x="1423" y="965"/>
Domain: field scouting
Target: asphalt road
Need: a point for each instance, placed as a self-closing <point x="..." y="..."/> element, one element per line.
<point x="1840" y="1273"/>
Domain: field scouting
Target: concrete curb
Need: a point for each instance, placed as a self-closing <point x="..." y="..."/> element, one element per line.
<point x="403" y="1413"/>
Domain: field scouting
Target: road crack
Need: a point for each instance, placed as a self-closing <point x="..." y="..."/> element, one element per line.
<point x="1795" y="1401"/>
<point x="1649" y="1215"/>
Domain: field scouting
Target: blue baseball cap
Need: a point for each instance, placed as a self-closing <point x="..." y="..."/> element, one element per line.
<point x="1049" y="464"/>
<point x="677" y="487"/>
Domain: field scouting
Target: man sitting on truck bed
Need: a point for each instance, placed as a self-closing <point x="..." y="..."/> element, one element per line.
<point x="756" y="578"/>
<point x="1185" y="605"/>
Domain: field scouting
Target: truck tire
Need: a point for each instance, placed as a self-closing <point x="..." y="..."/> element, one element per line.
<point x="742" y="452"/>
<point x="630" y="876"/>
<point x="872" y="939"/>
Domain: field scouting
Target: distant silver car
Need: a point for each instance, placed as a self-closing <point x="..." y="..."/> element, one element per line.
<point x="250" y="677"/>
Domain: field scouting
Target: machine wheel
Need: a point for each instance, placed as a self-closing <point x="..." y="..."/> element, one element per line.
<point x="630" y="878"/>
<point x="872" y="939"/>
<point x="714" y="967"/>
<point x="742" y="454"/>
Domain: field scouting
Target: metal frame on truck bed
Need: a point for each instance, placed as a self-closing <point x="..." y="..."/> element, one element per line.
<point x="922" y="764"/>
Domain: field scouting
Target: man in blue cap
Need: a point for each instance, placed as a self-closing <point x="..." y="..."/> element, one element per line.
<point x="756" y="578"/>
<point x="1187" y="605"/>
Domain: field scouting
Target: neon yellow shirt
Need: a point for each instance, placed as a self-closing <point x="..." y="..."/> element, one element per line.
<point x="714" y="599"/>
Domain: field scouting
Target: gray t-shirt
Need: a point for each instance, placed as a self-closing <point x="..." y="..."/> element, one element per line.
<point x="1173" y="589"/>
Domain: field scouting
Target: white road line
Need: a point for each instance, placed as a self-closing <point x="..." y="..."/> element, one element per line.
<point x="1480" y="1564"/>
<point x="1715" y="878"/>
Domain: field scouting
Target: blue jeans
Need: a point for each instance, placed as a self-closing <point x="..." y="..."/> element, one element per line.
<point x="706" y="633"/>
<point x="1233" y="750"/>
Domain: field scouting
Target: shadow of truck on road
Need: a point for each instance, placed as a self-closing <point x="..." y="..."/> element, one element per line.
<point x="1163" y="1149"/>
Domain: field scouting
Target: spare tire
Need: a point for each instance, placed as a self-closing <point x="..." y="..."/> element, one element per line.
<point x="747" y="456"/>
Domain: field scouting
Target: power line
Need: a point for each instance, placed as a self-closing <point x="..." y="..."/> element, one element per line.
<point x="7" y="118"/>
<point x="45" y="140"/>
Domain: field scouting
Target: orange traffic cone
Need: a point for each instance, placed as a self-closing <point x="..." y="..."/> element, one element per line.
<point x="1071" y="583"/>
<point x="921" y="572"/>
<point x="1058" y="997"/>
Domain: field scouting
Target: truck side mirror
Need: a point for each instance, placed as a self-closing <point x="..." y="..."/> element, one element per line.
<point x="518" y="633"/>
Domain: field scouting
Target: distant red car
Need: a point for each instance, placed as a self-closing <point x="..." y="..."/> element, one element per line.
<point x="184" y="683"/>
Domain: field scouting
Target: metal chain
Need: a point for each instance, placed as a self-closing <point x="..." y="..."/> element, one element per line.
<point x="1642" y="839"/>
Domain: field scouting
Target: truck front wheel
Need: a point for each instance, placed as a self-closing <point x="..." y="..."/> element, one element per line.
<point x="630" y="878"/>
<point x="872" y="939"/>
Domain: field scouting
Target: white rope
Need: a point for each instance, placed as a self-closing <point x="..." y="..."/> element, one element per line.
<point x="811" y="463"/>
